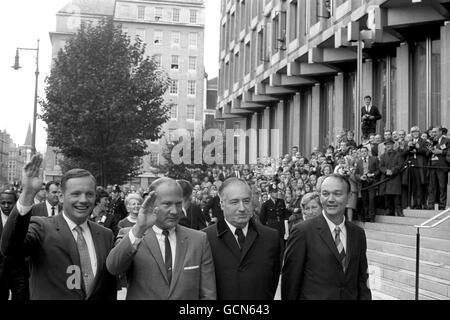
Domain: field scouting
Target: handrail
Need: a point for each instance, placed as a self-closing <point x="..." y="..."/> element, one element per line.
<point x="424" y="225"/>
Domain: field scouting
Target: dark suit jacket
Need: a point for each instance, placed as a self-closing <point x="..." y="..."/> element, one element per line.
<point x="373" y="167"/>
<point x="441" y="158"/>
<point x="393" y="161"/>
<point x="40" y="209"/>
<point x="370" y="124"/>
<point x="53" y="254"/>
<point x="312" y="270"/>
<point x="418" y="158"/>
<point x="14" y="271"/>
<point x="193" y="275"/>
<point x="274" y="214"/>
<point x="194" y="218"/>
<point x="250" y="274"/>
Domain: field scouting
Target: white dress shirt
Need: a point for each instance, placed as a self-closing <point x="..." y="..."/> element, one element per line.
<point x="87" y="237"/>
<point x="49" y="208"/>
<point x="161" y="241"/>
<point x="342" y="234"/>
<point x="4" y="218"/>
<point x="233" y="230"/>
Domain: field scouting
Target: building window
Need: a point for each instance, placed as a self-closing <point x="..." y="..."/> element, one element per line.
<point x="190" y="112"/>
<point x="176" y="38"/>
<point x="293" y="21"/>
<point x="175" y="15"/>
<point x="158" y="39"/>
<point x="193" y="16"/>
<point x="174" y="63"/>
<point x="193" y="39"/>
<point x="141" y="34"/>
<point x="173" y="111"/>
<point x="279" y="31"/>
<point x="157" y="60"/>
<point x="191" y="87"/>
<point x="154" y="158"/>
<point x="173" y="89"/>
<point x="141" y="12"/>
<point x="192" y="63"/>
<point x="158" y="13"/>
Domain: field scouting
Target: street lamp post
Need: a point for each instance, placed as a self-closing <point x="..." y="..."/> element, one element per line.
<point x="16" y="66"/>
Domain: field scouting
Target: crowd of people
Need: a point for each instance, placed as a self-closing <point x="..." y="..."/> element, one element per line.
<point x="261" y="206"/>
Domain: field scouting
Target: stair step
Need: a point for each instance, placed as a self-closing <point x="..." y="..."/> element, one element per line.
<point x="404" y="292"/>
<point x="426" y="254"/>
<point x="376" y="295"/>
<point x="420" y="213"/>
<point x="426" y="282"/>
<point x="427" y="268"/>
<point x="411" y="221"/>
<point x="437" y="232"/>
<point x="409" y="240"/>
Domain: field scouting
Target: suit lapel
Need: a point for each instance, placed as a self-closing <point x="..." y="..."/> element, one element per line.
<point x="180" y="253"/>
<point x="325" y="234"/>
<point x="99" y="252"/>
<point x="67" y="239"/>
<point x="350" y="242"/>
<point x="249" y="240"/>
<point x="228" y="238"/>
<point x="152" y="244"/>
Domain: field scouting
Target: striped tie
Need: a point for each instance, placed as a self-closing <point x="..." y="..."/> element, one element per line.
<point x="340" y="247"/>
<point x="85" y="260"/>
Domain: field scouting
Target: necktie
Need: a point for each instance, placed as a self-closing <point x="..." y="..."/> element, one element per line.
<point x="240" y="236"/>
<point x="167" y="255"/>
<point x="53" y="211"/>
<point x="85" y="260"/>
<point x="340" y="247"/>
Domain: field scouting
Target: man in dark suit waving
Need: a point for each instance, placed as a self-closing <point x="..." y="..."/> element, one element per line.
<point x="246" y="254"/>
<point x="67" y="252"/>
<point x="325" y="256"/>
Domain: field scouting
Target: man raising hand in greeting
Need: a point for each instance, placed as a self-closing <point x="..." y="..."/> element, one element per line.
<point x="162" y="259"/>
<point x="67" y="252"/>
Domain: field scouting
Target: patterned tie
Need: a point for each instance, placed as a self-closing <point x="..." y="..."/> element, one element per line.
<point x="240" y="236"/>
<point x="340" y="247"/>
<point x="167" y="255"/>
<point x="53" y="211"/>
<point x="85" y="260"/>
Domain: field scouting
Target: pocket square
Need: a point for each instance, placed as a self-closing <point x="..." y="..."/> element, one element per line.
<point x="191" y="268"/>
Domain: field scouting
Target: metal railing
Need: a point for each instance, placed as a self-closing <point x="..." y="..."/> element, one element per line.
<point x="425" y="225"/>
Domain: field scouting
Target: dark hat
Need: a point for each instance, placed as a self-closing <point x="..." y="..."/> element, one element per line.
<point x="273" y="188"/>
<point x="389" y="141"/>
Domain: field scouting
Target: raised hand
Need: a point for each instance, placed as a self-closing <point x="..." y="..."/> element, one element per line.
<point x="147" y="215"/>
<point x="31" y="180"/>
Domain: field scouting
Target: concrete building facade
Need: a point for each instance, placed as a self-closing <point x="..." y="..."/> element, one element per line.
<point x="304" y="66"/>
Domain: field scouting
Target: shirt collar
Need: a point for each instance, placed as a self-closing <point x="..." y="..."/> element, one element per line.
<point x="159" y="231"/>
<point x="72" y="224"/>
<point x="332" y="226"/>
<point x="233" y="228"/>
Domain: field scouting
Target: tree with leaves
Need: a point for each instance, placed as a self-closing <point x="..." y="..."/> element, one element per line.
<point x="104" y="100"/>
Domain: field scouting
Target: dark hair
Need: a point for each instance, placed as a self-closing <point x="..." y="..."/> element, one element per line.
<point x="343" y="179"/>
<point x="186" y="187"/>
<point x="368" y="97"/>
<point x="229" y="181"/>
<point x="11" y="193"/>
<point x="48" y="184"/>
<point x="75" y="173"/>
<point x="101" y="194"/>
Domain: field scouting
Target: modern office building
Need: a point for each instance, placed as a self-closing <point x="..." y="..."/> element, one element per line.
<point x="303" y="67"/>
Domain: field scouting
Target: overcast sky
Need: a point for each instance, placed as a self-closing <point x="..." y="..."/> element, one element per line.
<point x="21" y="24"/>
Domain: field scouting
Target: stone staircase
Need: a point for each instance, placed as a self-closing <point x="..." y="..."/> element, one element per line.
<point x="391" y="254"/>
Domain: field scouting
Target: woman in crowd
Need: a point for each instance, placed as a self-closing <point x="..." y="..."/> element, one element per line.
<point x="311" y="206"/>
<point x="133" y="203"/>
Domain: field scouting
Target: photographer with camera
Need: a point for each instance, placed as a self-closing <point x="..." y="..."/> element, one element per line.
<point x="369" y="116"/>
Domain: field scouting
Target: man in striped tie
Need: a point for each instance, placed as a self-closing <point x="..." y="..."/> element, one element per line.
<point x="325" y="256"/>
